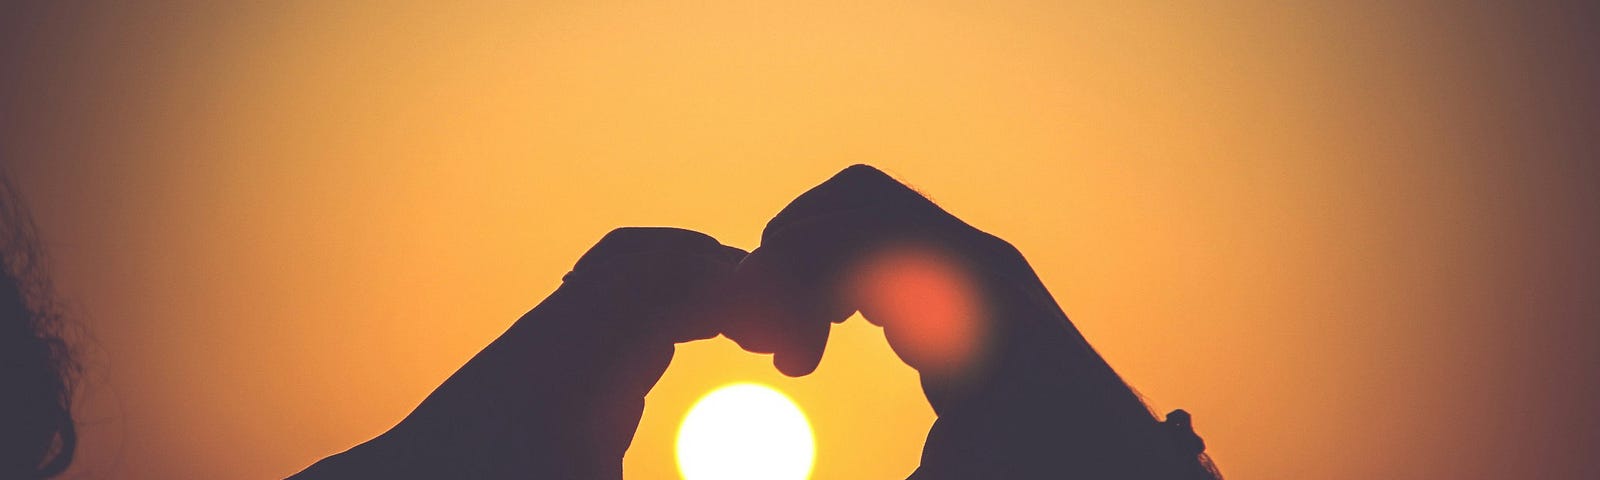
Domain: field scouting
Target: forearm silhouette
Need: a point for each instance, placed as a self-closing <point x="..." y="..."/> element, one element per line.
<point x="560" y="393"/>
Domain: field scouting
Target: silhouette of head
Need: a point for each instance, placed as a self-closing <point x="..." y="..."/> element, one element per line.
<point x="37" y="438"/>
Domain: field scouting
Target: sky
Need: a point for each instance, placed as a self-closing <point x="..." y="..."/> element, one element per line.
<point x="1354" y="239"/>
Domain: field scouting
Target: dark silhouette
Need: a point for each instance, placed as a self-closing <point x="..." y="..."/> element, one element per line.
<point x="1018" y="391"/>
<point x="37" y="435"/>
<point x="560" y="393"/>
<point x="1033" y="401"/>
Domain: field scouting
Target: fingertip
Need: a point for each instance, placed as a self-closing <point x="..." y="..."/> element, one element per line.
<point x="805" y="352"/>
<point x="795" y="364"/>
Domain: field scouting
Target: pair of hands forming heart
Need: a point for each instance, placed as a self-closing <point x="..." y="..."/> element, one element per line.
<point x="1019" y="393"/>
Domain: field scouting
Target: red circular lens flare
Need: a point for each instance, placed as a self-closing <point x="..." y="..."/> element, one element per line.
<point x="928" y="304"/>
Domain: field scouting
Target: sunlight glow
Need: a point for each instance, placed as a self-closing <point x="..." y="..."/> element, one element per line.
<point x="745" y="431"/>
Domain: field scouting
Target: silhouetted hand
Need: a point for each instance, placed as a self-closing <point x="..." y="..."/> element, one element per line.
<point x="560" y="393"/>
<point x="1018" y="391"/>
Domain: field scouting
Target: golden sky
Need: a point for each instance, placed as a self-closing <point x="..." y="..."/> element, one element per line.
<point x="1355" y="239"/>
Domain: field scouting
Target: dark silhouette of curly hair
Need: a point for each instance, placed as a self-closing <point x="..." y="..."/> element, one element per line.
<point x="37" y="435"/>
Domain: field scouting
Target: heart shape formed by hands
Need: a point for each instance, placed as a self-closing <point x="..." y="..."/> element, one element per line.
<point x="1018" y="391"/>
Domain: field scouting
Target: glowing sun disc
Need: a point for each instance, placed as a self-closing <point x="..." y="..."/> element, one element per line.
<point x="745" y="431"/>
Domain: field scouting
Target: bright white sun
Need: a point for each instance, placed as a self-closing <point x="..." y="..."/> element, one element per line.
<point x="745" y="431"/>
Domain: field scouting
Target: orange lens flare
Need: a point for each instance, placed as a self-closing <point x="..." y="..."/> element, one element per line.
<point x="930" y="307"/>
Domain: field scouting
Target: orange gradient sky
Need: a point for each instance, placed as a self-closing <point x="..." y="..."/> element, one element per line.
<point x="1354" y="239"/>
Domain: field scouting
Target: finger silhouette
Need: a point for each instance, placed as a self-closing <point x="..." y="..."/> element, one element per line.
<point x="669" y="278"/>
<point x="818" y="253"/>
<point x="654" y="287"/>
